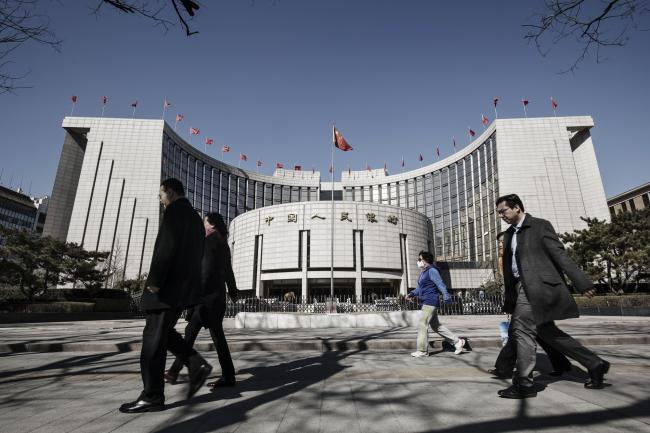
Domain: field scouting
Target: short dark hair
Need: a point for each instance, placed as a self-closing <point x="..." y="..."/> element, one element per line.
<point x="173" y="184"/>
<point x="426" y="256"/>
<point x="216" y="220"/>
<point x="501" y="234"/>
<point x="511" y="200"/>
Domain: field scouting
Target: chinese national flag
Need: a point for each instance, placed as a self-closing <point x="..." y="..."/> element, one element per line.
<point x="340" y="142"/>
<point x="194" y="131"/>
<point x="420" y="158"/>
<point x="167" y="104"/>
<point x="385" y="167"/>
<point x="259" y="163"/>
<point x="297" y="167"/>
<point x="454" y="140"/>
<point x="243" y="157"/>
<point x="225" y="148"/>
<point x="368" y="167"/>
<point x="438" y="150"/>
<point x="104" y="99"/>
<point x="279" y="165"/>
<point x="484" y="120"/>
<point x="402" y="162"/>
<point x="134" y="103"/>
<point x="74" y="99"/>
<point x="179" y="117"/>
<point x="471" y="132"/>
<point x="553" y="104"/>
<point x="209" y="141"/>
<point x="524" y="101"/>
<point x="495" y="101"/>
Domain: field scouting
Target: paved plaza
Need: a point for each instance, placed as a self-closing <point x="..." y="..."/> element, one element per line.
<point x="287" y="384"/>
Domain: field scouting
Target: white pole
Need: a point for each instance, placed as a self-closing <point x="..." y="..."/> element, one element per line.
<point x="332" y="224"/>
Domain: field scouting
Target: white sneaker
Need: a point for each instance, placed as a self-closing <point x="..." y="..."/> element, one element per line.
<point x="459" y="346"/>
<point x="418" y="354"/>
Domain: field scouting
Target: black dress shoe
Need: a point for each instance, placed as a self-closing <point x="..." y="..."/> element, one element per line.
<point x="140" y="405"/>
<point x="597" y="376"/>
<point x="518" y="392"/>
<point x="498" y="373"/>
<point x="222" y="382"/>
<point x="198" y="376"/>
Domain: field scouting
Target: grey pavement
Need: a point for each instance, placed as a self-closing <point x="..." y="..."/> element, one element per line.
<point x="125" y="335"/>
<point x="365" y="388"/>
<point x="315" y="391"/>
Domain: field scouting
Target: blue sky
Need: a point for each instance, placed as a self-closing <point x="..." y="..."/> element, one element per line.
<point x="268" y="78"/>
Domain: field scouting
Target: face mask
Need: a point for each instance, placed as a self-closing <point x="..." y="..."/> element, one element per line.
<point x="420" y="264"/>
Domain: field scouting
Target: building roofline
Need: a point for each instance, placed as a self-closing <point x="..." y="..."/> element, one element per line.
<point x="627" y="194"/>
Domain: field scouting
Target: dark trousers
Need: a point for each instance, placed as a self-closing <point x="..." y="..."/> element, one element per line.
<point x="567" y="345"/>
<point x="507" y="357"/>
<point x="158" y="337"/>
<point x="525" y="332"/>
<point x="218" y="338"/>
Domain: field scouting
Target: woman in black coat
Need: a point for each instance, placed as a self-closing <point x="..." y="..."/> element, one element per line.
<point x="216" y="276"/>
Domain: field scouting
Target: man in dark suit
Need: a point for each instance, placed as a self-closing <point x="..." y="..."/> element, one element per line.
<point x="173" y="284"/>
<point x="507" y="358"/>
<point x="534" y="264"/>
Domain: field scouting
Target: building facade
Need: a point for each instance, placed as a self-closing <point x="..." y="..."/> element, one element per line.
<point x="20" y="211"/>
<point x="105" y="193"/>
<point x="629" y="201"/>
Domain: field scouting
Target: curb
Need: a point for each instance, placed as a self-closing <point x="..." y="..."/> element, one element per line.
<point x="318" y="345"/>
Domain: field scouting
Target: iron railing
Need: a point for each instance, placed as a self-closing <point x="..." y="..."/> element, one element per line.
<point x="460" y="305"/>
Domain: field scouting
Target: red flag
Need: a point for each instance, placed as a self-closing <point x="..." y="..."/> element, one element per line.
<point x="104" y="99"/>
<point x="225" y="148"/>
<point x="243" y="157"/>
<point x="297" y="167"/>
<point x="259" y="163"/>
<point x="340" y="142"/>
<point x="420" y="158"/>
<point x="402" y="162"/>
<point x="209" y="141"/>
<point x="368" y="167"/>
<point x="74" y="99"/>
<point x="524" y="101"/>
<point x="554" y="104"/>
<point x="279" y="165"/>
<point x="167" y="104"/>
<point x="471" y="132"/>
<point x="438" y="150"/>
<point x="495" y="101"/>
<point x="195" y="131"/>
<point x="484" y="120"/>
<point x="179" y="117"/>
<point x="134" y="103"/>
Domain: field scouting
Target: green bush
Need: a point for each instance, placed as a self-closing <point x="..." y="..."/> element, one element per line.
<point x="61" y="307"/>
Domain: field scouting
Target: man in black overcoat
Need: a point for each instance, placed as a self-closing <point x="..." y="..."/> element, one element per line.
<point x="536" y="294"/>
<point x="173" y="284"/>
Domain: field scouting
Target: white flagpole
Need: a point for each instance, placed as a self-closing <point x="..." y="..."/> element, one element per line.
<point x="525" y="112"/>
<point x="332" y="224"/>
<point x="72" y="109"/>
<point x="496" y="114"/>
<point x="133" y="116"/>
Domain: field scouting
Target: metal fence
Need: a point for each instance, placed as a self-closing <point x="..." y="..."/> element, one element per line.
<point x="460" y="305"/>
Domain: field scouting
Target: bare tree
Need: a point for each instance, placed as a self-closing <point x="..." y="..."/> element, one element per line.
<point x="21" y="23"/>
<point x="592" y="24"/>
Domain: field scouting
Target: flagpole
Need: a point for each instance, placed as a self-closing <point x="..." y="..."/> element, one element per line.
<point x="133" y="116"/>
<point x="525" y="112"/>
<point x="332" y="223"/>
<point x="496" y="114"/>
<point x="164" y="108"/>
<point x="554" y="107"/>
<point x="72" y="109"/>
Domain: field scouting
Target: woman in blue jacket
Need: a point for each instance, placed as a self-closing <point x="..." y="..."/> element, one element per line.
<point x="430" y="284"/>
